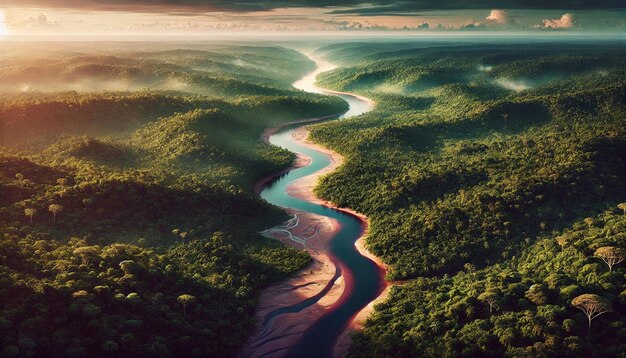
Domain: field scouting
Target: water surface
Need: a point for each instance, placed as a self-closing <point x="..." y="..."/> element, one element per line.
<point x="362" y="276"/>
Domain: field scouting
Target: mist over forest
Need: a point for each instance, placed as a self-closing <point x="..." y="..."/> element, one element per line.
<point x="490" y="170"/>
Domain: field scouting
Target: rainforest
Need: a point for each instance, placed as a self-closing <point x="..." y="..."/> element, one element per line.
<point x="177" y="184"/>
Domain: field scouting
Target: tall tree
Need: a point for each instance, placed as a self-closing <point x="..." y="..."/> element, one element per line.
<point x="186" y="300"/>
<point x="55" y="209"/>
<point x="492" y="298"/>
<point x="505" y="116"/>
<point x="30" y="212"/>
<point x="611" y="255"/>
<point x="592" y="305"/>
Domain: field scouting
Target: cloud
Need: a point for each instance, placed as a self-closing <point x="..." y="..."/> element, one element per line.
<point x="369" y="7"/>
<point x="364" y="24"/>
<point x="473" y="27"/>
<point x="39" y="22"/>
<point x="565" y="22"/>
<point x="498" y="17"/>
<point x="386" y="10"/>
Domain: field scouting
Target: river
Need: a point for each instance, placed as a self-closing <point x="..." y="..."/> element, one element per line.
<point x="361" y="275"/>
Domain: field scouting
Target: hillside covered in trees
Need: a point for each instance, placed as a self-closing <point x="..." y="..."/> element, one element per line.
<point x="492" y="173"/>
<point x="493" y="176"/>
<point x="128" y="222"/>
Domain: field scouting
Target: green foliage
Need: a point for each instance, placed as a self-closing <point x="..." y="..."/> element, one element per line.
<point x="477" y="170"/>
<point x="534" y="314"/>
<point x="473" y="178"/>
<point x="128" y="222"/>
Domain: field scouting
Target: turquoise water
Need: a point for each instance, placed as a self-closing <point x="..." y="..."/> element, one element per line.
<point x="363" y="278"/>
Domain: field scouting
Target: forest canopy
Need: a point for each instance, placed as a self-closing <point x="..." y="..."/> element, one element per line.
<point x="493" y="179"/>
<point x="128" y="220"/>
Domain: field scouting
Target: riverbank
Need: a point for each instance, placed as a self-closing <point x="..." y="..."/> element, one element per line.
<point x="300" y="161"/>
<point x="274" y="335"/>
<point x="286" y="328"/>
<point x="289" y="309"/>
<point x="303" y="188"/>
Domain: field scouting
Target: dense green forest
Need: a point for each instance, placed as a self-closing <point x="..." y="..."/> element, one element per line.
<point x="492" y="174"/>
<point x="128" y="222"/>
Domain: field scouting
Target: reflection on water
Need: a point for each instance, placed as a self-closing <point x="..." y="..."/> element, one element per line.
<point x="307" y="83"/>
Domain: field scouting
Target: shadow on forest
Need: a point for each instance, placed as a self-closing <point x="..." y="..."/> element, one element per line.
<point x="504" y="118"/>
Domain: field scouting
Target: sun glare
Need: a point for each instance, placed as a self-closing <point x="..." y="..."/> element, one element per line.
<point x="3" y="31"/>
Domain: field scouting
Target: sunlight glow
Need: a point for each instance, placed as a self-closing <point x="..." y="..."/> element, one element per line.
<point x="3" y="31"/>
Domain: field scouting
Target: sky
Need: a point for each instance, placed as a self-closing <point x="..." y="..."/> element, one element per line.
<point x="197" y="17"/>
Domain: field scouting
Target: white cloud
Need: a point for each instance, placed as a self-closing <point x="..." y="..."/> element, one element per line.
<point x="39" y="22"/>
<point x="565" y="22"/>
<point x="498" y="17"/>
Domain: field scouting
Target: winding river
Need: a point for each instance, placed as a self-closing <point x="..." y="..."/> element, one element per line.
<point x="361" y="275"/>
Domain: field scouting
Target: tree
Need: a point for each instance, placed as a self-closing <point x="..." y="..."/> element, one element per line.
<point x="623" y="207"/>
<point x="592" y="305"/>
<point x="537" y="295"/>
<point x="186" y="300"/>
<point x="505" y="116"/>
<point x="462" y="194"/>
<point x="589" y="222"/>
<point x="562" y="240"/>
<point x="30" y="212"/>
<point x="183" y="235"/>
<point x="55" y="209"/>
<point x="87" y="253"/>
<point x="129" y="267"/>
<point x="611" y="255"/>
<point x="469" y="267"/>
<point x="492" y="298"/>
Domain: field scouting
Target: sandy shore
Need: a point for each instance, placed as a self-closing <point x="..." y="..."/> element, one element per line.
<point x="277" y="330"/>
<point x="300" y="160"/>
<point x="369" y="101"/>
<point x="285" y="329"/>
<point x="345" y="340"/>
<point x="303" y="189"/>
